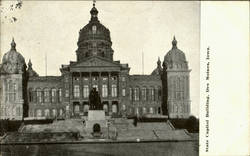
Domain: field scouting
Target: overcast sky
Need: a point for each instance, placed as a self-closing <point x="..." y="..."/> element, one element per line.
<point x="142" y="26"/>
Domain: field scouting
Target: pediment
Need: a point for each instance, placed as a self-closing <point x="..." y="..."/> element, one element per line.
<point x="96" y="62"/>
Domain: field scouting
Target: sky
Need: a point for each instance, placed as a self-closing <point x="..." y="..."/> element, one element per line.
<point x="52" y="27"/>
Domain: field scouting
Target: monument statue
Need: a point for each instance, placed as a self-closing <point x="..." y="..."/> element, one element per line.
<point x="95" y="100"/>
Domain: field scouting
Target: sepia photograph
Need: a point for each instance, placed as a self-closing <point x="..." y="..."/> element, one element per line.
<point x="99" y="78"/>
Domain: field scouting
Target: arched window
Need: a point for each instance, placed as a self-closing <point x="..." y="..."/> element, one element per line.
<point x="105" y="107"/>
<point x="38" y="113"/>
<point x="46" y="113"/>
<point x="151" y="110"/>
<point x="30" y="93"/>
<point x="61" y="112"/>
<point x="124" y="107"/>
<point x="39" y="95"/>
<point x="152" y="94"/>
<point x="53" y="95"/>
<point x="144" y="110"/>
<point x="60" y="95"/>
<point x="54" y="112"/>
<point x="144" y="94"/>
<point x="46" y="95"/>
<point x="85" y="108"/>
<point x="114" y="108"/>
<point x="94" y="29"/>
<point x="76" y="109"/>
<point x="130" y="94"/>
<point x="136" y="94"/>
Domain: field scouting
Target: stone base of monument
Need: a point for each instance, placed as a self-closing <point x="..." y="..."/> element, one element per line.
<point x="96" y="117"/>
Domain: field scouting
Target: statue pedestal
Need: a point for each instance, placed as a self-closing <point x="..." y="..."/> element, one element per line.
<point x="96" y="117"/>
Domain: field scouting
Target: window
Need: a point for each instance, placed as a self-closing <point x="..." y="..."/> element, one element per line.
<point x="95" y="78"/>
<point x="104" y="90"/>
<point x="114" y="108"/>
<point x="144" y="94"/>
<point x="11" y="91"/>
<point x="60" y="95"/>
<point x="46" y="113"/>
<point x="95" y="86"/>
<point x="152" y="94"/>
<point x="30" y="95"/>
<point x="85" y="108"/>
<point x="76" y="91"/>
<point x="113" y="78"/>
<point x="46" y="95"/>
<point x="66" y="93"/>
<point x="130" y="94"/>
<point x="144" y="110"/>
<point x="39" y="96"/>
<point x="54" y="113"/>
<point x="66" y="79"/>
<point x="53" y="95"/>
<point x="61" y="112"/>
<point x="123" y="78"/>
<point x="77" y="109"/>
<point x="114" y="91"/>
<point x="38" y="113"/>
<point x="159" y="93"/>
<point x="94" y="29"/>
<point x="124" y="107"/>
<point x="85" y="79"/>
<point x="105" y="108"/>
<point x="104" y="78"/>
<point x="136" y="94"/>
<point x="123" y="92"/>
<point x="151" y="110"/>
<point x="18" y="111"/>
<point x="85" y="91"/>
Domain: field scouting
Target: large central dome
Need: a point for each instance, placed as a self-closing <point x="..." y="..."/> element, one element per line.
<point x="94" y="39"/>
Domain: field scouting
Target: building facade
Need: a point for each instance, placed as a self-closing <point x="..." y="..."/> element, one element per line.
<point x="26" y="94"/>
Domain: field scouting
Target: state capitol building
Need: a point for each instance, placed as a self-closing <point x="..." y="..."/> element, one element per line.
<point x="23" y="93"/>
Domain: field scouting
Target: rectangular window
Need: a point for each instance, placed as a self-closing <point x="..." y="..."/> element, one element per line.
<point x="136" y="94"/>
<point x="66" y="93"/>
<point x="53" y="95"/>
<point x="60" y="95"/>
<point x="39" y="96"/>
<point x="46" y="95"/>
<point x="85" y="91"/>
<point x="104" y="90"/>
<point x="152" y="94"/>
<point x="130" y="94"/>
<point x="144" y="94"/>
<point x="123" y="92"/>
<point x="114" y="91"/>
<point x="76" y="91"/>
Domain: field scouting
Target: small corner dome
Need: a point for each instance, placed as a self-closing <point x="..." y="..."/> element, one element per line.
<point x="30" y="71"/>
<point x="175" y="56"/>
<point x="13" y="61"/>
